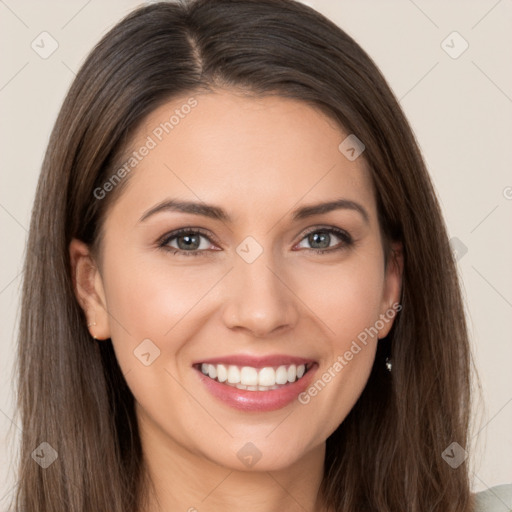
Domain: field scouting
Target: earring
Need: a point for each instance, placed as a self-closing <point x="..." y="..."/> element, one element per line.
<point x="90" y="325"/>
<point x="389" y="364"/>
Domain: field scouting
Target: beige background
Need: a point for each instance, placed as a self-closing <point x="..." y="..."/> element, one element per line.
<point x="460" y="109"/>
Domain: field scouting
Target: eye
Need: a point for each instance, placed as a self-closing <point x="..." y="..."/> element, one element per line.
<point x="320" y="239"/>
<point x="195" y="242"/>
<point x="187" y="241"/>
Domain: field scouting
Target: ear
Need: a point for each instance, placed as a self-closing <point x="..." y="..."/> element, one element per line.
<point x="390" y="304"/>
<point x="88" y="287"/>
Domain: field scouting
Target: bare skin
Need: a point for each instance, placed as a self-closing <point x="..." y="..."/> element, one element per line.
<point x="259" y="160"/>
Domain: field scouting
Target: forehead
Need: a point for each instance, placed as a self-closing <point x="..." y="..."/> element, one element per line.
<point x="253" y="155"/>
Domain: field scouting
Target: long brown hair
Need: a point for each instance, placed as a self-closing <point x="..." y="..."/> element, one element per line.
<point x="387" y="454"/>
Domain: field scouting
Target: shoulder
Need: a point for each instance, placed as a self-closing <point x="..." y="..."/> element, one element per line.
<point x="494" y="499"/>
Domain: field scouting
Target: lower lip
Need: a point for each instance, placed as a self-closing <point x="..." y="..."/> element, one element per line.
<point x="258" y="401"/>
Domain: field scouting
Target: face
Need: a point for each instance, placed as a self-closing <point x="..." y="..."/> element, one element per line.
<point x="214" y="261"/>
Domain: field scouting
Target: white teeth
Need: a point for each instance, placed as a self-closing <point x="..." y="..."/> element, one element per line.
<point x="254" y="379"/>
<point x="222" y="373"/>
<point x="249" y="376"/>
<point x="252" y="388"/>
<point x="233" y="375"/>
<point x="267" y="377"/>
<point x="282" y="375"/>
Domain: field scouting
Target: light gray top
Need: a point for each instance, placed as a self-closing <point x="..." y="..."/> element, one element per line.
<point x="494" y="499"/>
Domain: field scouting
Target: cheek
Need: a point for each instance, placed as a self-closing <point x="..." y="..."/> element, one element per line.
<point x="151" y="298"/>
<point x="347" y="299"/>
<point x="151" y="315"/>
<point x="346" y="296"/>
<point x="148" y="298"/>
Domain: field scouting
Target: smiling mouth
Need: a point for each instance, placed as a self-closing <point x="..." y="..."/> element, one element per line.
<point x="254" y="379"/>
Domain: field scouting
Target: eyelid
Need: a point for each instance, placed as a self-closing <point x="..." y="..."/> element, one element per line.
<point x="321" y="227"/>
<point x="185" y="230"/>
<point x="162" y="241"/>
<point x="346" y="238"/>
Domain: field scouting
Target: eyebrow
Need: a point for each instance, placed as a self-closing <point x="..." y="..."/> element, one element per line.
<point x="217" y="213"/>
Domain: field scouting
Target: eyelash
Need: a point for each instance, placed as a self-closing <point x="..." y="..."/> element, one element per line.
<point x="347" y="240"/>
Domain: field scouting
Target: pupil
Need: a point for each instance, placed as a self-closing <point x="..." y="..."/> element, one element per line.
<point x="315" y="238"/>
<point x="192" y="242"/>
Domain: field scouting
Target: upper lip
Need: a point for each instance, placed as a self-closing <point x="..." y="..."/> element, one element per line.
<point x="256" y="361"/>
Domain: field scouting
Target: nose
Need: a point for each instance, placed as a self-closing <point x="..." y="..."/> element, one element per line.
<point x="260" y="298"/>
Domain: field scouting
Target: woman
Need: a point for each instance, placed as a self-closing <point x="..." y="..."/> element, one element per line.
<point x="312" y="354"/>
